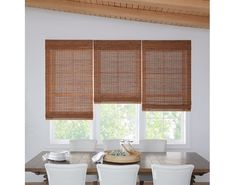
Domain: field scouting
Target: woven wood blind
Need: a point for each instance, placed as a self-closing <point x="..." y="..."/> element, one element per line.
<point x="117" y="69"/>
<point x="69" y="80"/>
<point x="166" y="75"/>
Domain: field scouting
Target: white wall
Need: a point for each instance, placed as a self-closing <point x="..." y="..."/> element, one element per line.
<point x="45" y="24"/>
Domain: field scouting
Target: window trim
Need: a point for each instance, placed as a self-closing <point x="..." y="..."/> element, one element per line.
<point x="141" y="130"/>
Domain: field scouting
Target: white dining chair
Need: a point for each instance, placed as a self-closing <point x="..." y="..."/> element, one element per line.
<point x="172" y="174"/>
<point x="84" y="145"/>
<point x="66" y="174"/>
<point x="117" y="174"/>
<point x="151" y="145"/>
<point x="111" y="144"/>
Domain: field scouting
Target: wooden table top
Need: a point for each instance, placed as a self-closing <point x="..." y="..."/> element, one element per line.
<point x="36" y="164"/>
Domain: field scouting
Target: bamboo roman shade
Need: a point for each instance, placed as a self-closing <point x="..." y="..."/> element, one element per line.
<point x="166" y="75"/>
<point x="117" y="69"/>
<point x="154" y="73"/>
<point x="69" y="79"/>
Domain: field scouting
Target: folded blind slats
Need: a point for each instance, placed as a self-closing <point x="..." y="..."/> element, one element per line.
<point x="166" y="75"/>
<point x="117" y="70"/>
<point x="69" y="79"/>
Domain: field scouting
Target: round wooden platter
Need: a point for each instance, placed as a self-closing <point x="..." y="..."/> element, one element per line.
<point x="134" y="157"/>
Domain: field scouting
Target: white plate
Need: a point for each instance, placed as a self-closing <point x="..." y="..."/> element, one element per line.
<point x="56" y="156"/>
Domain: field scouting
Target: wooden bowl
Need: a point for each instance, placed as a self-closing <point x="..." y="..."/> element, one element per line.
<point x="134" y="157"/>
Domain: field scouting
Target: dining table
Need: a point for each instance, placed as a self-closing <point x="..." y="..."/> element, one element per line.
<point x="201" y="165"/>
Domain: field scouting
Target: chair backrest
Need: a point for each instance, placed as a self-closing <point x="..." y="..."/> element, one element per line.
<point x="112" y="144"/>
<point x="171" y="174"/>
<point x="117" y="175"/>
<point x="86" y="145"/>
<point x="153" y="145"/>
<point x="66" y="174"/>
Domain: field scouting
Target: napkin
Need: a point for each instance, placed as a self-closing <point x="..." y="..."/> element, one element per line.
<point x="98" y="158"/>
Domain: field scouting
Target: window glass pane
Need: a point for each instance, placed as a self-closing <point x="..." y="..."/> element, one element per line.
<point x="118" y="121"/>
<point x="71" y="129"/>
<point x="166" y="125"/>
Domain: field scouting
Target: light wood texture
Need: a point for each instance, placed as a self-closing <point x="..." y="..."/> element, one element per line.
<point x="196" y="7"/>
<point x="132" y="158"/>
<point x="36" y="164"/>
<point x="192" y="13"/>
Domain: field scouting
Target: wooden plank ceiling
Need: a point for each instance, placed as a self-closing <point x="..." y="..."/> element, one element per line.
<point x="189" y="13"/>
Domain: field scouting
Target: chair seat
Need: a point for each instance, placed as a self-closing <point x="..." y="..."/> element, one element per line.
<point x="201" y="183"/>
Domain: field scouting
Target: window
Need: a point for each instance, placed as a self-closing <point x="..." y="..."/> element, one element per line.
<point x="166" y="125"/>
<point x="118" y="121"/>
<point x="64" y="130"/>
<point x="155" y="74"/>
<point x="122" y="121"/>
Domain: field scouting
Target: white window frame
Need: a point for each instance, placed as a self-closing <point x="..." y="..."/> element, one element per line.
<point x="185" y="145"/>
<point x="141" y="129"/>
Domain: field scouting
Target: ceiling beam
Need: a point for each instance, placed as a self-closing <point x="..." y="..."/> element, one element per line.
<point x="200" y="7"/>
<point x="105" y="10"/>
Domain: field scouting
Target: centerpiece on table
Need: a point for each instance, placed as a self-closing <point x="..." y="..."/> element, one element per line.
<point x="126" y="153"/>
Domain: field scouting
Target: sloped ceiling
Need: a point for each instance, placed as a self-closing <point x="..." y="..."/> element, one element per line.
<point x="189" y="13"/>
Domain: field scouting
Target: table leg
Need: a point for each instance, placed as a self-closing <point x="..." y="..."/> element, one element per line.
<point x="45" y="178"/>
<point x="192" y="179"/>
<point x="95" y="183"/>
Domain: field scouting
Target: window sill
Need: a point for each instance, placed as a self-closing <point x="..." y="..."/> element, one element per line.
<point x="100" y="147"/>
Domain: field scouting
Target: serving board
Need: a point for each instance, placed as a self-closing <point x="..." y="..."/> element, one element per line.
<point x="134" y="157"/>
